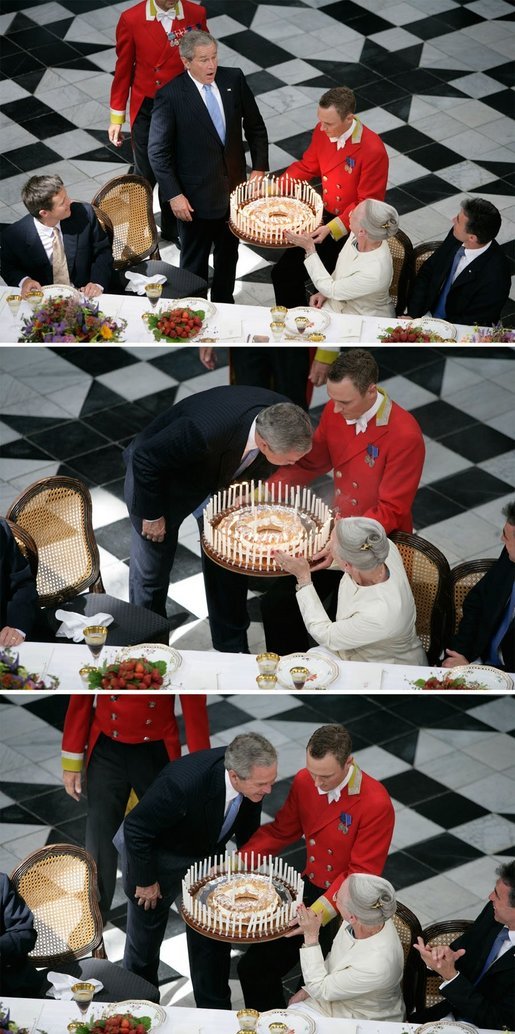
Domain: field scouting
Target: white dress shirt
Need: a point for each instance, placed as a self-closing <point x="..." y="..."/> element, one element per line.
<point x="334" y="795"/>
<point x="340" y="141"/>
<point x="362" y="421"/>
<point x="216" y="93"/>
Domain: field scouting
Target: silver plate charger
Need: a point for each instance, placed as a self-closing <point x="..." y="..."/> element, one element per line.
<point x="154" y="652"/>
<point x="193" y="303"/>
<point x="323" y="670"/>
<point x="432" y="325"/>
<point x="484" y="674"/>
<point x="299" y="1022"/>
<point x="139" y="1007"/>
<point x="446" y="1027"/>
<point x="60" y="291"/>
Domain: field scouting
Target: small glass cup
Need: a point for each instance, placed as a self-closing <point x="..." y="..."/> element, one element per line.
<point x="35" y="299"/>
<point x="279" y="313"/>
<point x="83" y="995"/>
<point x="267" y="663"/>
<point x="95" y="637"/>
<point x="266" y="681"/>
<point x="14" y="301"/>
<point x="84" y="673"/>
<point x="316" y="338"/>
<point x="277" y="330"/>
<point x="301" y="323"/>
<point x="247" y="1019"/>
<point x="299" y="676"/>
<point x="153" y="293"/>
<point x="278" y="1028"/>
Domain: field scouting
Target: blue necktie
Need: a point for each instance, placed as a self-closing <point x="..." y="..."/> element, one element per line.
<point x="246" y="462"/>
<point x="230" y="816"/>
<point x="214" y="110"/>
<point x="439" y="308"/>
<point x="493" y="653"/>
<point x="502" y="936"/>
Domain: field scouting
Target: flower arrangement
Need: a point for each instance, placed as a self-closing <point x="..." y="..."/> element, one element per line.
<point x="14" y="676"/>
<point x="65" y="319"/>
<point x="492" y="335"/>
<point x="8" y="1026"/>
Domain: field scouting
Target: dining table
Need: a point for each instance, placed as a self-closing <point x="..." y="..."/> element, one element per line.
<point x="227" y="323"/>
<point x="50" y="1016"/>
<point x="208" y="671"/>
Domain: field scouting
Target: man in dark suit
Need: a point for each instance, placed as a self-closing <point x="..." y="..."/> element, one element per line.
<point x="18" y="975"/>
<point x="60" y="241"/>
<point x="487" y="627"/>
<point x="18" y="596"/>
<point x="478" y="969"/>
<point x="185" y="455"/>
<point x="197" y="153"/>
<point x="194" y="807"/>
<point x="467" y="279"/>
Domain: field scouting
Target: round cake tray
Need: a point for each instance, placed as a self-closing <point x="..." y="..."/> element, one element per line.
<point x="259" y="244"/>
<point x="234" y="938"/>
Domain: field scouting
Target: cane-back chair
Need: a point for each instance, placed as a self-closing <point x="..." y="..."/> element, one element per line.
<point x="127" y="201"/>
<point x="57" y="513"/>
<point x="59" y="884"/>
<point x="26" y="545"/>
<point x="463" y="578"/>
<point x="408" y="929"/>
<point x="401" y="250"/>
<point x="429" y="982"/>
<point x="429" y="576"/>
<point x="421" y="252"/>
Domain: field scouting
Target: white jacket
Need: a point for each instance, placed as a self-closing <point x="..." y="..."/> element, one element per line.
<point x="360" y="282"/>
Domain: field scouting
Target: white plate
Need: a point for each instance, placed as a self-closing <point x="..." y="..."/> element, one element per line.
<point x="139" y="1007"/>
<point x="154" y="652"/>
<point x="446" y="1027"/>
<point x="322" y="669"/>
<point x="192" y="303"/>
<point x="436" y="326"/>
<point x="300" y="1022"/>
<point x="60" y="291"/>
<point x="490" y="678"/>
<point x="318" y="320"/>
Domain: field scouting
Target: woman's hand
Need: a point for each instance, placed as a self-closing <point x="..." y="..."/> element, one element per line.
<point x="310" y="923"/>
<point x="294" y="565"/>
<point x="317" y="300"/>
<point x="301" y="240"/>
<point x="299" y="996"/>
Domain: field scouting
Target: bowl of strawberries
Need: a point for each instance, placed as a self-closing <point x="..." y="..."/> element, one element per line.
<point x="145" y="668"/>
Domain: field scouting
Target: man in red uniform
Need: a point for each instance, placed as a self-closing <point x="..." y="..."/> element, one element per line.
<point x="129" y="739"/>
<point x="147" y="57"/>
<point x="347" y="820"/>
<point x="352" y="163"/>
<point x="376" y="450"/>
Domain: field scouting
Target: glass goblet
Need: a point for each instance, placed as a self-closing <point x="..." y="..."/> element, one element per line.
<point x="153" y="293"/>
<point x="301" y="323"/>
<point x="83" y="995"/>
<point x="299" y="676"/>
<point x="14" y="301"/>
<point x="35" y="299"/>
<point x="95" y="637"/>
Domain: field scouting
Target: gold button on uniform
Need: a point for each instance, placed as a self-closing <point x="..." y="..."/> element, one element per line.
<point x="338" y="474"/>
<point x="312" y="858"/>
<point x="338" y="491"/>
<point x="152" y="704"/>
<point x="312" y="841"/>
<point x="311" y="876"/>
<point x="148" y="721"/>
<point x="327" y="883"/>
<point x="146" y="739"/>
<point x="324" y="179"/>
<point x="355" y="484"/>
<point x="115" y="734"/>
<point x="329" y="868"/>
<point x="114" y="717"/>
<point x="354" y="502"/>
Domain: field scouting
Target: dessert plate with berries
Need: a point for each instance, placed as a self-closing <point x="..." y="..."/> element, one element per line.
<point x="138" y="1011"/>
<point x="145" y="668"/>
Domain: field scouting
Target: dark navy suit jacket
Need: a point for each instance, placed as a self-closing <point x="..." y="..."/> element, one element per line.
<point x="184" y="148"/>
<point x="18" y="596"/>
<point x="483" y="610"/>
<point x="477" y="295"/>
<point x="87" y="248"/>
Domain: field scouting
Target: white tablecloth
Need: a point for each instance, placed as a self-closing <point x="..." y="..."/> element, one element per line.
<point x="53" y="1017"/>
<point x="208" y="671"/>
<point x="230" y="322"/>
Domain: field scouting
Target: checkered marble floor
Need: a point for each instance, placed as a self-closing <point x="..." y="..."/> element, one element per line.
<point x="433" y="77"/>
<point x="71" y="410"/>
<point x="447" y="762"/>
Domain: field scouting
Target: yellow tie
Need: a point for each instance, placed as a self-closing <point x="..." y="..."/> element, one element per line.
<point x="59" y="263"/>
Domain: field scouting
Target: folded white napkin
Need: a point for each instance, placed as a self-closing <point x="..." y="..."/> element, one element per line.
<point x="62" y="984"/>
<point x="73" y="625"/>
<point x="137" y="281"/>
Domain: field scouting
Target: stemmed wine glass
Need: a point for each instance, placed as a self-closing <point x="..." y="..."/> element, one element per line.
<point x="14" y="301"/>
<point x="95" y="637"/>
<point x="153" y="293"/>
<point x="83" y="995"/>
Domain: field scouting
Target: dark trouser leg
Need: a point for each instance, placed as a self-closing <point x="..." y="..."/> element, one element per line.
<point x="226" y="595"/>
<point x="285" y="631"/>
<point x="225" y="259"/>
<point x="145" y="932"/>
<point x="149" y="571"/>
<point x="210" y="963"/>
<point x="121" y="767"/>
<point x="289" y="274"/>
<point x="279" y="367"/>
<point x="139" y="135"/>
<point x="196" y="243"/>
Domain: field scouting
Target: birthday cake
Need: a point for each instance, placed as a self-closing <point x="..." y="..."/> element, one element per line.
<point x="244" y="897"/>
<point x="260" y="211"/>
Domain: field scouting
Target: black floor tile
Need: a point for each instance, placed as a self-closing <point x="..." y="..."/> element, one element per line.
<point x="100" y="465"/>
<point x="404" y="747"/>
<point x="186" y="564"/>
<point x="380" y="92"/>
<point x="428" y="189"/>
<point x="431" y="507"/>
<point x="185" y="363"/>
<point x="16" y="813"/>
<point x="402" y="870"/>
<point x="158" y="401"/>
<point x="68" y="439"/>
<point x="478" y="447"/>
<point x="444" y="852"/>
<point x="423" y="710"/>
<point x="428" y="28"/>
<point x="412" y="787"/>
<point x="118" y="421"/>
<point x="379" y="727"/>
<point x="435" y="156"/>
<point x="100" y="398"/>
<point x="223" y="715"/>
<point x="440" y="418"/>
<point x="116" y="538"/>
<point x="467" y="486"/>
<point x="50" y="125"/>
<point x="97" y="360"/>
<point x="405" y="139"/>
<point x="56" y="807"/>
<point x="23" y="449"/>
<point x="20" y="63"/>
<point x="450" y="809"/>
<point x="256" y="48"/>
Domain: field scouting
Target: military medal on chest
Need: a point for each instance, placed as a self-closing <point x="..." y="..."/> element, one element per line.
<point x="371" y="455"/>
<point x="345" y="822"/>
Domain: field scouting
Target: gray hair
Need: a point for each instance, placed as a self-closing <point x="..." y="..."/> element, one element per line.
<point x="360" y="541"/>
<point x="285" y="426"/>
<point x="370" y="898"/>
<point x="377" y="219"/>
<point x="508" y="511"/>
<point x="247" y="750"/>
<point x="38" y="193"/>
<point x="191" y="40"/>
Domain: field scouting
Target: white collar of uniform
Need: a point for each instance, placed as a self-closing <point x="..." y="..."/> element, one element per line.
<point x="230" y="792"/>
<point x="155" y="12"/>
<point x="340" y="141"/>
<point x="362" y="421"/>
<point x="334" y="795"/>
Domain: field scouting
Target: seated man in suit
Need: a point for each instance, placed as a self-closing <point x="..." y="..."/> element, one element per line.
<point x="59" y="242"/>
<point x="18" y="976"/>
<point x="478" y="969"/>
<point x="487" y="627"/>
<point x="18" y="596"/>
<point x="467" y="279"/>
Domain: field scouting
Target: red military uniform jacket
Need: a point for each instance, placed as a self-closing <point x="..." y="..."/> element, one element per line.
<point x="346" y="836"/>
<point x="145" y="58"/>
<point x="131" y="719"/>
<point x="376" y="473"/>
<point x="357" y="171"/>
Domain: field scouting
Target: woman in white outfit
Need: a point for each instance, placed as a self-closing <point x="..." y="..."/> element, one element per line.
<point x="375" y="613"/>
<point x="362" y="975"/>
<point x="360" y="282"/>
